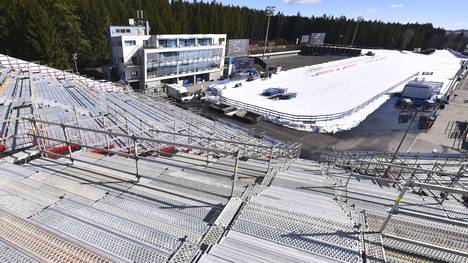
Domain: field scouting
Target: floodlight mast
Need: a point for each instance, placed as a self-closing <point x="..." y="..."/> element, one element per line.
<point x="270" y="10"/>
<point x="75" y="57"/>
<point x="359" y="20"/>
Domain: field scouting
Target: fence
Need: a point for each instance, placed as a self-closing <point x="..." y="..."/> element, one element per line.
<point x="162" y="149"/>
<point x="337" y="66"/>
<point x="272" y="114"/>
<point x="155" y="139"/>
<point x="456" y="80"/>
<point x="410" y="155"/>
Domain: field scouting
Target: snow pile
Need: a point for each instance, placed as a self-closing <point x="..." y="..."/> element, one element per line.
<point x="339" y="86"/>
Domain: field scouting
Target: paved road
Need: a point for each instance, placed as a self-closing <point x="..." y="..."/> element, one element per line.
<point x="373" y="134"/>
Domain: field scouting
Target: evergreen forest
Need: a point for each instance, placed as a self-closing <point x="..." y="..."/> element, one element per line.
<point x="49" y="31"/>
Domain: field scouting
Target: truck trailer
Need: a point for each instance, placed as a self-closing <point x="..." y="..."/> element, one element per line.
<point x="178" y="92"/>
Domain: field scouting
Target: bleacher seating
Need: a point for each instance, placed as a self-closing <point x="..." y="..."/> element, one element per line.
<point x="262" y="204"/>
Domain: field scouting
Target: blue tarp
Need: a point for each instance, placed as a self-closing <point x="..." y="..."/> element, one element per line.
<point x="288" y="96"/>
<point x="273" y="91"/>
<point x="252" y="72"/>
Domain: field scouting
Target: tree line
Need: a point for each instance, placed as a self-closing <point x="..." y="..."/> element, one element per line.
<point x="49" y="31"/>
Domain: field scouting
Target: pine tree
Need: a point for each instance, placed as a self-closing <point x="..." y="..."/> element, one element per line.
<point x="42" y="37"/>
<point x="67" y="24"/>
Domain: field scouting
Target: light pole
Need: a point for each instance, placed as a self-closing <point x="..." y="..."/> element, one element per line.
<point x="414" y="113"/>
<point x="359" y="20"/>
<point x="395" y="154"/>
<point x="270" y="10"/>
<point x="75" y="57"/>
<point x="341" y="40"/>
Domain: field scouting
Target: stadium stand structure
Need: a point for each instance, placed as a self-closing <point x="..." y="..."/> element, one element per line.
<point x="35" y="97"/>
<point x="164" y="193"/>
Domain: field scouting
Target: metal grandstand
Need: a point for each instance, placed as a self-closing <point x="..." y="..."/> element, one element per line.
<point x="92" y="172"/>
<point x="54" y="97"/>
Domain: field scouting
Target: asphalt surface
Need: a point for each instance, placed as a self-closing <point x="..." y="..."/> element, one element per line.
<point x="441" y="136"/>
<point x="368" y="136"/>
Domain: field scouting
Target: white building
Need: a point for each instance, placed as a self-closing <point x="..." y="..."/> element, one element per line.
<point x="149" y="60"/>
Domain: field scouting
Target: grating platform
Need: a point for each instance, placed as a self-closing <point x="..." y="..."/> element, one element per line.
<point x="9" y="254"/>
<point x="43" y="244"/>
<point x="95" y="236"/>
<point x="159" y="240"/>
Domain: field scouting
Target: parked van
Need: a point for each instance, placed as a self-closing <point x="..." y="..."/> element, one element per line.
<point x="178" y="92"/>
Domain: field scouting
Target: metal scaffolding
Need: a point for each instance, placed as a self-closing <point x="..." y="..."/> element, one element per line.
<point x="440" y="184"/>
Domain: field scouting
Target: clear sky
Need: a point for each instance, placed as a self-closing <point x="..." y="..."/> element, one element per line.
<point x="449" y="14"/>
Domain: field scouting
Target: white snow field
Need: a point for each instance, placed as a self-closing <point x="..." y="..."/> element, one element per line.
<point x="339" y="95"/>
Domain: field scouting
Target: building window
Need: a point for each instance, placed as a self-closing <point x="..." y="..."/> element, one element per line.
<point x="161" y="64"/>
<point x="205" y="42"/>
<point x="221" y="41"/>
<point x="187" y="42"/>
<point x="121" y="59"/>
<point x="168" y="43"/>
<point x="134" y="73"/>
<point x="130" y="42"/>
<point x="122" y="30"/>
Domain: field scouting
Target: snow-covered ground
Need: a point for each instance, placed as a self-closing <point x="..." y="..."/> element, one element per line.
<point x="340" y="86"/>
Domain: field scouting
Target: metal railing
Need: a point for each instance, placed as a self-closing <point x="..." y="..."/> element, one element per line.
<point x="438" y="184"/>
<point x="381" y="167"/>
<point x="456" y="80"/>
<point x="272" y="114"/>
<point x="135" y="151"/>
<point x="153" y="139"/>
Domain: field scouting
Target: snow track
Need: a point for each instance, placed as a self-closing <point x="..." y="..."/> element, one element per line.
<point x="338" y="95"/>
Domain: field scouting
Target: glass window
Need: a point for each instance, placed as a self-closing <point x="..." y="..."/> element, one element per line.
<point x="205" y="41"/>
<point x="180" y="62"/>
<point x="129" y="42"/>
<point x="168" y="43"/>
<point x="187" y="42"/>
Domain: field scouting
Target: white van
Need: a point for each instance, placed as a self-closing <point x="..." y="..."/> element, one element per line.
<point x="178" y="92"/>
